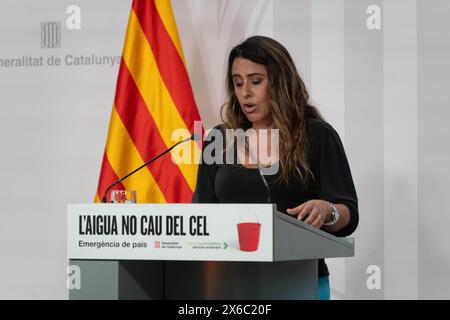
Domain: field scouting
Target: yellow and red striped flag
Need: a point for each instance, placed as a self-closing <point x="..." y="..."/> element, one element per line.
<point x="153" y="98"/>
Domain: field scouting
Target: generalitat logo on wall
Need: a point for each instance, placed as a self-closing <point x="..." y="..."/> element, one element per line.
<point x="53" y="35"/>
<point x="51" y="30"/>
<point x="50" y="35"/>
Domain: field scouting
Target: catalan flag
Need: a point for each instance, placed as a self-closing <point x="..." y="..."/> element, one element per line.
<point x="153" y="98"/>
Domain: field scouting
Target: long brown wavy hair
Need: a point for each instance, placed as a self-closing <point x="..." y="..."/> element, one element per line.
<point x="288" y="98"/>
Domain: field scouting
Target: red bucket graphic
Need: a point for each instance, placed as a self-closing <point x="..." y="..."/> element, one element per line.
<point x="248" y="233"/>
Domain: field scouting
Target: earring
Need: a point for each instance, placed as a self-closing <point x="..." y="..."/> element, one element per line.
<point x="234" y="106"/>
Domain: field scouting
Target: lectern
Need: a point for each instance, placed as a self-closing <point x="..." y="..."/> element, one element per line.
<point x="194" y="251"/>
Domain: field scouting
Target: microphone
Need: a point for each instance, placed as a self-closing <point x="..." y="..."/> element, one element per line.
<point x="194" y="137"/>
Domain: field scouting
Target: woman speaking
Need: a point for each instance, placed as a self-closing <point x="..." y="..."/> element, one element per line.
<point x="267" y="97"/>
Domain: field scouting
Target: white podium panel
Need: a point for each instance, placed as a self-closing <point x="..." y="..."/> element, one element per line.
<point x="205" y="232"/>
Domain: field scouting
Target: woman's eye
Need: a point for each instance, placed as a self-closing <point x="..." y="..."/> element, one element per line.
<point x="238" y="84"/>
<point x="256" y="81"/>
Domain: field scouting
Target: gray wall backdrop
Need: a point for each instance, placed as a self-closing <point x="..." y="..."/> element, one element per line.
<point x="384" y="90"/>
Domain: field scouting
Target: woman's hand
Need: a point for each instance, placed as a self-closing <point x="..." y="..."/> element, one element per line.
<point x="313" y="212"/>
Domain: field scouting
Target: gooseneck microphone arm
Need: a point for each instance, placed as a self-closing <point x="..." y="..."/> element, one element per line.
<point x="193" y="137"/>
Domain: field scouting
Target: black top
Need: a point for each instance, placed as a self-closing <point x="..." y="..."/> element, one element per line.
<point x="231" y="183"/>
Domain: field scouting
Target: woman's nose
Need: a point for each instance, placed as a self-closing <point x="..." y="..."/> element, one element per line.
<point x="246" y="89"/>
